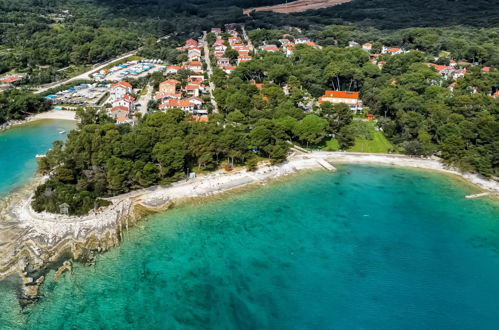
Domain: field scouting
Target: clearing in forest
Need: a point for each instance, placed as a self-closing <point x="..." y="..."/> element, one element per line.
<point x="297" y="6"/>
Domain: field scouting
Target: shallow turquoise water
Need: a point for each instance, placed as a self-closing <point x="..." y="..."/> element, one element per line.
<point x="365" y="248"/>
<point x="20" y="145"/>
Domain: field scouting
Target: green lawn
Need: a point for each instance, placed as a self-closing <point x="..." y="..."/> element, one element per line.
<point x="379" y="144"/>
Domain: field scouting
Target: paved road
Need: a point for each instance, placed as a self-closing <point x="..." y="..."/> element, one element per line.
<point x="85" y="75"/>
<point x="144" y="100"/>
<point x="245" y="36"/>
<point x="210" y="72"/>
<point x="95" y="68"/>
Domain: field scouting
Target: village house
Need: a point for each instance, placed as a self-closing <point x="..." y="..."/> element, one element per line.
<point x="284" y="42"/>
<point x="173" y="69"/>
<point x="168" y="89"/>
<point x="391" y="50"/>
<point x="195" y="66"/>
<point x="269" y="48"/>
<point x="496" y="95"/>
<point x="224" y="61"/>
<point x="194" y="54"/>
<point x="124" y="120"/>
<point x="119" y="111"/>
<point x="338" y="97"/>
<point x="191" y="43"/>
<point x="217" y="31"/>
<point x="192" y="89"/>
<point x="119" y="90"/>
<point x="9" y="80"/>
<point x="229" y="69"/>
<point x="234" y="40"/>
<point x="200" y="118"/>
<point x="182" y="104"/>
<point x="243" y="52"/>
<point x="367" y="46"/>
<point x="353" y="44"/>
<point x="126" y="101"/>
<point x="302" y="40"/>
<point x="242" y="59"/>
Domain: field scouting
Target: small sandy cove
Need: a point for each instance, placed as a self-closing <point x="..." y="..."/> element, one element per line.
<point x="30" y="238"/>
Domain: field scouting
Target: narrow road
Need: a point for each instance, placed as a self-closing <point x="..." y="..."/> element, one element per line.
<point x="210" y="72"/>
<point x="85" y="75"/>
<point x="245" y="36"/>
<point x="95" y="68"/>
<point x="144" y="100"/>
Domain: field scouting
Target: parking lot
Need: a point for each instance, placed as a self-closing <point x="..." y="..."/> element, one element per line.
<point x="132" y="69"/>
<point x="84" y="94"/>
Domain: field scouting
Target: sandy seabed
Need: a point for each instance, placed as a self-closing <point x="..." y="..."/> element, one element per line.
<point x="29" y="238"/>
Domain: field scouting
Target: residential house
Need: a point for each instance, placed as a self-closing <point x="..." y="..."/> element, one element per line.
<point x="192" y="89"/>
<point x="353" y="44"/>
<point x="496" y="95"/>
<point x="367" y="46"/>
<point x="284" y="42"/>
<point x="126" y="101"/>
<point x="242" y="59"/>
<point x="195" y="66"/>
<point x="119" y="90"/>
<point x="229" y="69"/>
<point x="392" y="50"/>
<point x="302" y="40"/>
<point x="183" y="104"/>
<point x="191" y="43"/>
<point x="168" y="89"/>
<point x="119" y="111"/>
<point x="124" y="120"/>
<point x="338" y="97"/>
<point x="217" y="31"/>
<point x="224" y="61"/>
<point x="172" y="69"/>
<point x="269" y="48"/>
<point x="9" y="80"/>
<point x="194" y="54"/>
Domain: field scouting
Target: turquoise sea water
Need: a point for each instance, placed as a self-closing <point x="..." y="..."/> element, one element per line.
<point x="364" y="248"/>
<point x="20" y="145"/>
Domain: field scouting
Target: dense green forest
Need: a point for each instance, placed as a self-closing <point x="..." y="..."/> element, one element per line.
<point x="416" y="110"/>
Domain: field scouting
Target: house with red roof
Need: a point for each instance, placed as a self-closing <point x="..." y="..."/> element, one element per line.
<point x="338" y="97"/>
<point x="126" y="101"/>
<point x="269" y="48"/>
<point x="182" y="104"/>
<point x="172" y="69"/>
<point x="392" y="50"/>
<point x="496" y="95"/>
<point x="191" y="43"/>
<point x="216" y="30"/>
<point x="242" y="59"/>
<point x="195" y="66"/>
<point x="9" y="80"/>
<point x="119" y="111"/>
<point x="229" y="69"/>
<point x="200" y="118"/>
<point x="367" y="46"/>
<point x="194" y="54"/>
<point x="124" y="120"/>
<point x="121" y="88"/>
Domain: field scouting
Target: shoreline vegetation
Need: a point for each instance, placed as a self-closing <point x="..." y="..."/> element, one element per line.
<point x="47" y="115"/>
<point x="37" y="242"/>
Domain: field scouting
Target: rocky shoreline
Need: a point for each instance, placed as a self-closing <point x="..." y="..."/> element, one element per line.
<point x="33" y="243"/>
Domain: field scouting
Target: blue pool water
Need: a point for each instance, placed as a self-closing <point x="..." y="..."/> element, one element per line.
<point x="364" y="248"/>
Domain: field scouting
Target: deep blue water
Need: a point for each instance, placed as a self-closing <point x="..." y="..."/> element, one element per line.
<point x="364" y="248"/>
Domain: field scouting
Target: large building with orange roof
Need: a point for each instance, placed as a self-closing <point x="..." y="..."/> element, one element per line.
<point x="343" y="97"/>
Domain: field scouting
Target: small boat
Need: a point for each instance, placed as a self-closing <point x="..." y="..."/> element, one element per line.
<point x="62" y="132"/>
<point x="40" y="156"/>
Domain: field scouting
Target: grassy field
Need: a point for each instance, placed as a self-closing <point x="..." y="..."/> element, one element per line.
<point x="378" y="144"/>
